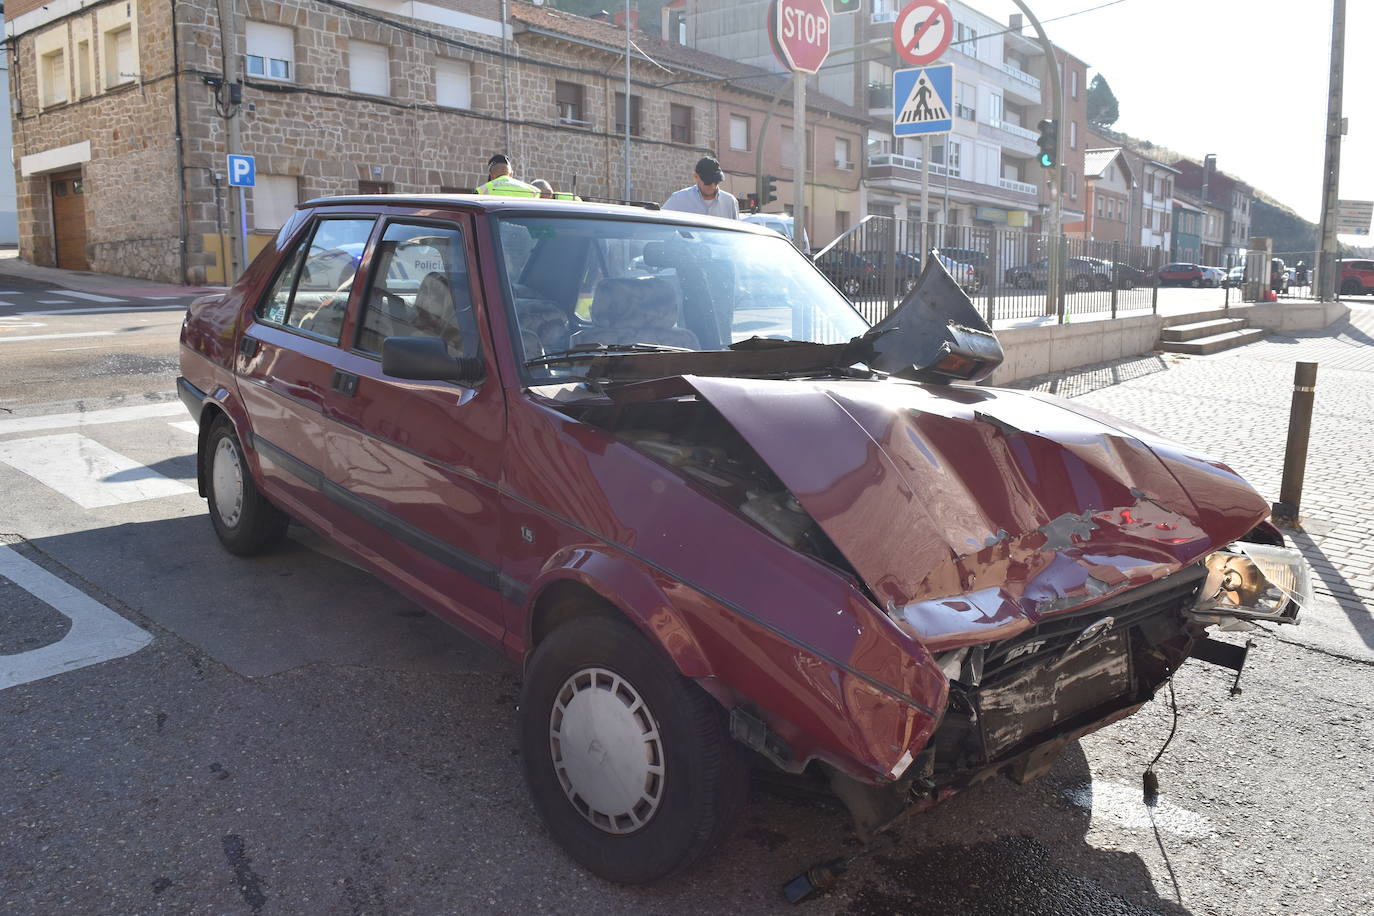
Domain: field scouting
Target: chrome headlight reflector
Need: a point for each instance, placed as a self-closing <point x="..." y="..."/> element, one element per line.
<point x="1254" y="582"/>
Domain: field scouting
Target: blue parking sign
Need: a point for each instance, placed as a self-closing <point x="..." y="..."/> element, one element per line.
<point x="243" y="171"/>
<point x="922" y="100"/>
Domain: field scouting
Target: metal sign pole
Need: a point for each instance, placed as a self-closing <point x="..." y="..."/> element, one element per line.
<point x="243" y="230"/>
<point x="1327" y="271"/>
<point x="799" y="169"/>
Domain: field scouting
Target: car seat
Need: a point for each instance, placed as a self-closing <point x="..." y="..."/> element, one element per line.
<point x="636" y="310"/>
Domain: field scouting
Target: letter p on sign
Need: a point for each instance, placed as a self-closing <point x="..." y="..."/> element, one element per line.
<point x="242" y="171"/>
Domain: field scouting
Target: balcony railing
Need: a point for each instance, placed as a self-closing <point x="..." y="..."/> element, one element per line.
<point x="1016" y="129"/>
<point x="1020" y="74"/>
<point x="880" y="160"/>
<point x="1012" y="185"/>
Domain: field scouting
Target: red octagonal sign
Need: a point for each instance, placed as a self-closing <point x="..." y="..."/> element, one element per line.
<point x="800" y="30"/>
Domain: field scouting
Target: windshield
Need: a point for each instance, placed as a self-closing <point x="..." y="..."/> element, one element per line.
<point x="576" y="282"/>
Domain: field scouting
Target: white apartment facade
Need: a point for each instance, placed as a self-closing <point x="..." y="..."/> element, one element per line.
<point x="1156" y="204"/>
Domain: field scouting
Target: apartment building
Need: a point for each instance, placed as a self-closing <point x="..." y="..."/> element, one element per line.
<point x="1111" y="184"/>
<point x="1230" y="196"/>
<point x="1186" y="239"/>
<point x="1156" y="203"/>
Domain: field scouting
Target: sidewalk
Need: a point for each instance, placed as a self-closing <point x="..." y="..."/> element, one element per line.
<point x="1234" y="406"/>
<point x="11" y="265"/>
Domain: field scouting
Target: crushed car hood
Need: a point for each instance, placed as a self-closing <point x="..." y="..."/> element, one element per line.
<point x="972" y="513"/>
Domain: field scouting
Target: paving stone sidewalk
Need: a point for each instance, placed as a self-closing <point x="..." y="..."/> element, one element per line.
<point x="1235" y="405"/>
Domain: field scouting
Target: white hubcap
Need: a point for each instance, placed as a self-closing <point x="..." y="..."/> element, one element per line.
<point x="226" y="476"/>
<point x="606" y="750"/>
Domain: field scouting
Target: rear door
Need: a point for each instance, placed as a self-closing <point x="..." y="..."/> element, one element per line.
<point x="288" y="353"/>
<point x="418" y="461"/>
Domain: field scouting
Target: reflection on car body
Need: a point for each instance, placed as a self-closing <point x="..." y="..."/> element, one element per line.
<point x="665" y="467"/>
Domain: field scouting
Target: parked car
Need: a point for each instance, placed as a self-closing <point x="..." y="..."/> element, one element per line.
<point x="909" y="272"/>
<point x="1080" y="273"/>
<point x="1127" y="277"/>
<point x="1278" y="275"/>
<point x="1181" y="274"/>
<point x="854" y="274"/>
<point x="976" y="259"/>
<point x="1213" y="276"/>
<point x="780" y="223"/>
<point x="711" y="532"/>
<point x="1357" y="276"/>
<point x="1235" y="276"/>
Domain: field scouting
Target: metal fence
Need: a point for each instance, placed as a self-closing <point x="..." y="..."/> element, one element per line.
<point x="1004" y="271"/>
<point x="1298" y="273"/>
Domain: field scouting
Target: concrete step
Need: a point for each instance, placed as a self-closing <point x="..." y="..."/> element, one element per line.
<point x="1215" y="343"/>
<point x="1182" y="332"/>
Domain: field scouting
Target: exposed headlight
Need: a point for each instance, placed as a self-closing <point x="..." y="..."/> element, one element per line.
<point x="1254" y="582"/>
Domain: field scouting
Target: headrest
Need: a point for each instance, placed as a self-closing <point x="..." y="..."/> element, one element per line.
<point x="635" y="301"/>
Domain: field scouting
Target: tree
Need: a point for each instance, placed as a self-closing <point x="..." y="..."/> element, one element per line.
<point x="1102" y="107"/>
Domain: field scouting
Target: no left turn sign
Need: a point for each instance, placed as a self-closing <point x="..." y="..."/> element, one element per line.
<point x="922" y="31"/>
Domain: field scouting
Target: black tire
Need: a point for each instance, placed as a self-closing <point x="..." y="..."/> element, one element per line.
<point x="908" y="285"/>
<point x="1195" y="283"/>
<point x="1352" y="287"/>
<point x="1022" y="281"/>
<point x="247" y="524"/>
<point x="703" y="782"/>
<point x="1082" y="283"/>
<point x="851" y="286"/>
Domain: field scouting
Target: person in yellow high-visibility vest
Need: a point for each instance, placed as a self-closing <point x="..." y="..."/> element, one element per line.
<point x="500" y="181"/>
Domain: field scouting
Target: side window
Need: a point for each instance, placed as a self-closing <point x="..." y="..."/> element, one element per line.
<point x="420" y="288"/>
<point x="311" y="292"/>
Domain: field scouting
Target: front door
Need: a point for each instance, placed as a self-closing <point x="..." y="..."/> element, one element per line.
<point x="418" y="461"/>
<point x="69" y="219"/>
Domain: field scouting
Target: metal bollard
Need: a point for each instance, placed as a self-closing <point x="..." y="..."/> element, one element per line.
<point x="1285" y="511"/>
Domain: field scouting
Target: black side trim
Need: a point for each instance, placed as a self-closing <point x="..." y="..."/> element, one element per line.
<point x="191" y="396"/>
<point x="481" y="572"/>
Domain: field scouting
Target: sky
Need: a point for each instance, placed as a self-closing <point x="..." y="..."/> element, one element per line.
<point x="1244" y="79"/>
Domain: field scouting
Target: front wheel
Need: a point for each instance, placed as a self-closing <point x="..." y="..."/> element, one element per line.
<point x="1082" y="283"/>
<point x="247" y="524"/>
<point x="630" y="765"/>
<point x="1352" y="287"/>
<point x="1022" y="281"/>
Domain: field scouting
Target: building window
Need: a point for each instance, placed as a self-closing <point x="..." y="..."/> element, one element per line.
<point x="1073" y="185"/>
<point x="994" y="109"/>
<point x="270" y="51"/>
<point x="966" y="38"/>
<point x="121" y="64"/>
<point x="677" y="27"/>
<point x="83" y="69"/>
<point x="966" y="105"/>
<point x="369" y="68"/>
<point x="374" y="187"/>
<point x="274" y="201"/>
<point x="1099" y="206"/>
<point x="53" y="69"/>
<point x="1073" y="79"/>
<point x="680" y="119"/>
<point x="568" y="98"/>
<point x="1073" y="135"/>
<point x="739" y="132"/>
<point x="636" y="124"/>
<point x="452" y="83"/>
<point x="843" y="158"/>
<point x="953" y="153"/>
<point x="841" y="222"/>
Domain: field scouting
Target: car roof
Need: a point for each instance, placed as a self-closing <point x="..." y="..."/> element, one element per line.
<point x="509" y="206"/>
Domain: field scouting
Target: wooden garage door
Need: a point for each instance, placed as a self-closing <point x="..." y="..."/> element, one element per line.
<point x="69" y="218"/>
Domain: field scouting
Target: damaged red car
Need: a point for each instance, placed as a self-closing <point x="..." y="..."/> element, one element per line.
<point x="718" y="520"/>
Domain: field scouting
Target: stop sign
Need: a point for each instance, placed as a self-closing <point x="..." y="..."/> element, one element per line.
<point x="800" y="30"/>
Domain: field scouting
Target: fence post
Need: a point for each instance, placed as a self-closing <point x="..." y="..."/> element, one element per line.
<point x="1116" y="273"/>
<point x="989" y="272"/>
<point x="1154" y="293"/>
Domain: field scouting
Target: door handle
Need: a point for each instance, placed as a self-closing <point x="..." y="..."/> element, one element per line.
<point x="345" y="383"/>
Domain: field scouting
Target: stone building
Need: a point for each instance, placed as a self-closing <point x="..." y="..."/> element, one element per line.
<point x="122" y="115"/>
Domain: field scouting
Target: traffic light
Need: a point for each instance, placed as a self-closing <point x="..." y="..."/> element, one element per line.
<point x="1048" y="142"/>
<point x="844" y="6"/>
<point x="770" y="189"/>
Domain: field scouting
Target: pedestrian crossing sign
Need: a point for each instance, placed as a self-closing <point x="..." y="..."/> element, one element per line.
<point x="923" y="101"/>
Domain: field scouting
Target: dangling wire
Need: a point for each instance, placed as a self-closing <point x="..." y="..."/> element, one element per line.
<point x="1150" y="780"/>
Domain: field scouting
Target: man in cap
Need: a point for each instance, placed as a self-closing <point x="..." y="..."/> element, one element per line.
<point x="500" y="181"/>
<point x="706" y="196"/>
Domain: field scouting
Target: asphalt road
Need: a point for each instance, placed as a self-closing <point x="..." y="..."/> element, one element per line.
<point x="285" y="735"/>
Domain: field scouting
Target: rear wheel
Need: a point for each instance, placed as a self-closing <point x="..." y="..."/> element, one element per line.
<point x="1352" y="287"/>
<point x="247" y="524"/>
<point x="1022" y="281"/>
<point x="1082" y="282"/>
<point x="630" y="764"/>
<point x="1195" y="283"/>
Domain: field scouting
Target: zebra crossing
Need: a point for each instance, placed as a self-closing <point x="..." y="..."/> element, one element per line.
<point x="70" y="459"/>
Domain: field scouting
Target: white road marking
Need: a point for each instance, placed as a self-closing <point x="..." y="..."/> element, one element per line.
<point x="97" y="633"/>
<point x="90" y="417"/>
<point x="86" y="472"/>
<point x="53" y="301"/>
<point x="13" y="321"/>
<point x="91" y="296"/>
<point x="65" y="349"/>
<point x="57" y="336"/>
<point x="108" y="308"/>
<point x="187" y="426"/>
